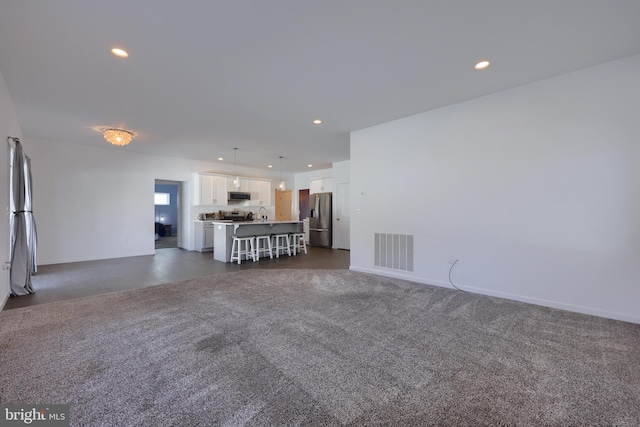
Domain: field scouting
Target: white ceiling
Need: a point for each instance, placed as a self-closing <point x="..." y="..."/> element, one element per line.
<point x="206" y="76"/>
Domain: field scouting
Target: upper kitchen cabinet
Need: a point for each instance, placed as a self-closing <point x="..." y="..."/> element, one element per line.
<point x="213" y="189"/>
<point x="243" y="188"/>
<point x="321" y="185"/>
<point x="260" y="192"/>
<point x="210" y="189"/>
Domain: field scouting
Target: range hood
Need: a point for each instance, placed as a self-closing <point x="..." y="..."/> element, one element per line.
<point x="239" y="196"/>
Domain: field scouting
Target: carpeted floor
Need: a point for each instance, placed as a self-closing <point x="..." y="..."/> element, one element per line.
<point x="318" y="347"/>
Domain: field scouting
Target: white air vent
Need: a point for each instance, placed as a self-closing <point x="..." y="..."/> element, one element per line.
<point x="394" y="251"/>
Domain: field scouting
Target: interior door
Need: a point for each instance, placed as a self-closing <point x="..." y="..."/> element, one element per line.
<point x="343" y="216"/>
<point x="283" y="205"/>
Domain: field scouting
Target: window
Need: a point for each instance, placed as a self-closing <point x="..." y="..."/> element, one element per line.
<point x="162" y="198"/>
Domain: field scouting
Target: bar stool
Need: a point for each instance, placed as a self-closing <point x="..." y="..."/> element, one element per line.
<point x="281" y="242"/>
<point x="297" y="243"/>
<point x="266" y="246"/>
<point x="249" y="250"/>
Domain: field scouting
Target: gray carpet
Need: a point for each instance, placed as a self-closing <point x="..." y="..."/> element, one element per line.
<point x="318" y="347"/>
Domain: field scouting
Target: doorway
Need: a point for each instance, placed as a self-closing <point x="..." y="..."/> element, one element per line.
<point x="166" y="214"/>
<point x="303" y="204"/>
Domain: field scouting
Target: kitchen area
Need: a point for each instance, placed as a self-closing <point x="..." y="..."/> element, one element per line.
<point x="252" y="208"/>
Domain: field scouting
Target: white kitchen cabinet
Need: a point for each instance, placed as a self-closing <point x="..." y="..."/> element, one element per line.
<point x="203" y="190"/>
<point x="305" y="228"/>
<point x="244" y="185"/>
<point x="208" y="237"/>
<point x="210" y="190"/>
<point x="260" y="193"/>
<point x="220" y="195"/>
<point x="203" y="236"/>
<point x="213" y="189"/>
<point x="321" y="185"/>
<point x="265" y="193"/>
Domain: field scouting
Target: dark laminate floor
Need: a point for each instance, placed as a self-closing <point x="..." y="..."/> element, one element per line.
<point x="167" y="242"/>
<point x="73" y="280"/>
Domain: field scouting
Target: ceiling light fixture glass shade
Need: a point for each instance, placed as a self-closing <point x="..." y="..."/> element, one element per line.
<point x="281" y="186"/>
<point x="236" y="178"/>
<point x="118" y="137"/>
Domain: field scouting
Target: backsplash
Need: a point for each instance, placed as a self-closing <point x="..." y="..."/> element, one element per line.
<point x="208" y="214"/>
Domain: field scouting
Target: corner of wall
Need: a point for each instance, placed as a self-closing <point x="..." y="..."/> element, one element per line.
<point x="3" y="301"/>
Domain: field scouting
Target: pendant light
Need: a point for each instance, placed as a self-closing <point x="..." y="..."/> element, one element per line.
<point x="282" y="186"/>
<point x="236" y="178"/>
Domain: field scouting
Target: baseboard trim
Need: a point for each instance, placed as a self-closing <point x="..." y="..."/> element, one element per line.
<point x="4" y="301"/>
<point x="402" y="276"/>
<point x="69" y="260"/>
<point x="506" y="295"/>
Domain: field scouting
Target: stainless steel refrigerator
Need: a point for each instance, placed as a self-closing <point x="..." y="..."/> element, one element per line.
<point x="320" y="220"/>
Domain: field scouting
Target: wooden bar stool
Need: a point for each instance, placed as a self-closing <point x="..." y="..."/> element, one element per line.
<point x="265" y="248"/>
<point x="282" y="243"/>
<point x="249" y="250"/>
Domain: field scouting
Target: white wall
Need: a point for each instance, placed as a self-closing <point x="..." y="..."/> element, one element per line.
<point x="97" y="202"/>
<point x="341" y="172"/>
<point x="536" y="190"/>
<point x="9" y="126"/>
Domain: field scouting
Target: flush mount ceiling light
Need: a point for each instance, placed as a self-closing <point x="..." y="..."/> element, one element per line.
<point x="221" y="158"/>
<point x="118" y="137"/>
<point x="482" y="65"/>
<point x="317" y="122"/>
<point x="119" y="52"/>
<point x="309" y="166"/>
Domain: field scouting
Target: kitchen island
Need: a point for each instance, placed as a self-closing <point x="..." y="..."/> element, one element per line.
<point x="225" y="230"/>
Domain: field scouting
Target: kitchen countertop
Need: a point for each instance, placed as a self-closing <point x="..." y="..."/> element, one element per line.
<point x="230" y="221"/>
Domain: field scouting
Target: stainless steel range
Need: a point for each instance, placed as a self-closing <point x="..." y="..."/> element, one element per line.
<point x="237" y="216"/>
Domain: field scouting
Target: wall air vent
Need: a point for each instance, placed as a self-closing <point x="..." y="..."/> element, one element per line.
<point x="393" y="251"/>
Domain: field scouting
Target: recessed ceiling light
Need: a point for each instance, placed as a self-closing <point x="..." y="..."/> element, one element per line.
<point x="270" y="166"/>
<point x="317" y="122"/>
<point x="221" y="158"/>
<point x="119" y="52"/>
<point x="482" y="65"/>
<point x="310" y="166"/>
